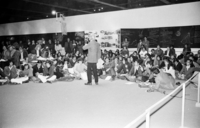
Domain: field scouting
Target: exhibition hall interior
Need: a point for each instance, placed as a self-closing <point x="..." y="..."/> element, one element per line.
<point x="100" y="64"/>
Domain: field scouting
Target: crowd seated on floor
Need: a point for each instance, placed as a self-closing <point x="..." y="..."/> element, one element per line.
<point x="49" y="62"/>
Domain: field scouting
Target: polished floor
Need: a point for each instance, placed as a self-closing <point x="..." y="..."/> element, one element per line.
<point x="74" y="105"/>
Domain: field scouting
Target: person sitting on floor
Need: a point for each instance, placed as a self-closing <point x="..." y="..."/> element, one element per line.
<point x="178" y="67"/>
<point x="48" y="73"/>
<point x="6" y="53"/>
<point x="194" y="60"/>
<point x="147" y="59"/>
<point x="157" y="61"/>
<point x="162" y="81"/>
<point x="143" y="52"/>
<point x="32" y="57"/>
<point x="65" y="66"/>
<point x="60" y="75"/>
<point x="125" y="51"/>
<point x="28" y="71"/>
<point x="123" y="69"/>
<point x="168" y="67"/>
<point x="37" y="69"/>
<point x="80" y="69"/>
<point x="135" y="72"/>
<point x="24" y="75"/>
<point x="147" y="74"/>
<point x="109" y="70"/>
<point x="73" y="61"/>
<point x="3" y="78"/>
<point x="186" y="70"/>
<point x="158" y="51"/>
<point x="10" y="71"/>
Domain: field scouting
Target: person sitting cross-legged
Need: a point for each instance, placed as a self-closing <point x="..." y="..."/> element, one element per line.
<point x="3" y="78"/>
<point x="109" y="72"/>
<point x="80" y="69"/>
<point x="48" y="73"/>
<point x="10" y="71"/>
<point x="37" y="69"/>
<point x="135" y="72"/>
<point x="24" y="76"/>
<point x="60" y="74"/>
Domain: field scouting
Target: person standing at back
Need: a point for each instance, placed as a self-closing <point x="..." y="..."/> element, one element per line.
<point x="146" y="44"/>
<point x="94" y="53"/>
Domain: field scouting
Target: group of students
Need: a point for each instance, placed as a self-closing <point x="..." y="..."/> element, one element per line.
<point x="157" y="69"/>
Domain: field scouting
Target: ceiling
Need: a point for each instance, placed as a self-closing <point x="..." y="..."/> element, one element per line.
<point x="26" y="10"/>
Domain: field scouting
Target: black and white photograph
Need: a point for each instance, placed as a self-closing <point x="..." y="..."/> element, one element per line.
<point x="100" y="64"/>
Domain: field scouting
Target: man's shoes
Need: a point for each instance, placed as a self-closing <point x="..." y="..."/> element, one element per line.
<point x="88" y="83"/>
<point x="96" y="83"/>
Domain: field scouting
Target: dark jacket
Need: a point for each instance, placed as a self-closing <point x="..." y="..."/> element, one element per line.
<point x="10" y="73"/>
<point x="37" y="70"/>
<point x="187" y="72"/>
<point x="16" y="58"/>
<point x="171" y="52"/>
<point x="178" y="67"/>
<point x="25" y="54"/>
<point x="48" y="71"/>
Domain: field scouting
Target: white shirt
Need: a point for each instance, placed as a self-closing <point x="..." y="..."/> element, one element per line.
<point x="143" y="53"/>
<point x="37" y="52"/>
<point x="58" y="47"/>
<point x="65" y="67"/>
<point x="22" y="56"/>
<point x="100" y="64"/>
<point x="170" y="71"/>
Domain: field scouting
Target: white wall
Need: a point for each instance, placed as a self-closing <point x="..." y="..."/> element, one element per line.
<point x="162" y="16"/>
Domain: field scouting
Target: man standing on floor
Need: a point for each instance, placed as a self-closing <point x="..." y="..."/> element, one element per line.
<point x="94" y="53"/>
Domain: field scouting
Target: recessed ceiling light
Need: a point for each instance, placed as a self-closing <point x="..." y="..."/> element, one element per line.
<point x="94" y="10"/>
<point x="101" y="7"/>
<point x="27" y="18"/>
<point x="47" y="16"/>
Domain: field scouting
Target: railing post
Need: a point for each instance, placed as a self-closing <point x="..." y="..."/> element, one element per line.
<point x="183" y="107"/>
<point x="147" y="119"/>
<point x="198" y="94"/>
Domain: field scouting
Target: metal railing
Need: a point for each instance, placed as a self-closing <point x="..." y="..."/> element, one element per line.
<point x="148" y="111"/>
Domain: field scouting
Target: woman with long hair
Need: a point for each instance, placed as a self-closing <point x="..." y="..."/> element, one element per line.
<point x="168" y="67"/>
<point x="143" y="52"/>
<point x="157" y="61"/>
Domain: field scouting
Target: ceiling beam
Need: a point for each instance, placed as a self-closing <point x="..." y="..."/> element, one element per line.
<point x="104" y="3"/>
<point x="57" y="6"/>
<point x="165" y="1"/>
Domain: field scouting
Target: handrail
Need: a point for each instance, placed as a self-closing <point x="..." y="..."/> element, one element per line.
<point x="148" y="110"/>
<point x="168" y="95"/>
<point x="198" y="96"/>
<point x="133" y="122"/>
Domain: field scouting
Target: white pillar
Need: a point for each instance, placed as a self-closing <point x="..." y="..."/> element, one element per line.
<point x="183" y="107"/>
